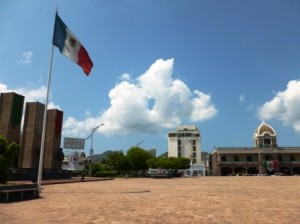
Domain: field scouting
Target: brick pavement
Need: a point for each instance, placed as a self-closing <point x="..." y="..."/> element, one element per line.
<point x="177" y="200"/>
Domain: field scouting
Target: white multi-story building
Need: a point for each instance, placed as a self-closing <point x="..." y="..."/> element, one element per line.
<point x="185" y="142"/>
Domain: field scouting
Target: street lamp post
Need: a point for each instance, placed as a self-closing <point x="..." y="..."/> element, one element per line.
<point x="92" y="150"/>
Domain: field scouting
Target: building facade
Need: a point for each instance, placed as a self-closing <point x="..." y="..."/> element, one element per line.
<point x="265" y="158"/>
<point x="185" y="142"/>
<point x="32" y="135"/>
<point x="53" y="138"/>
<point x="29" y="136"/>
<point x="11" y="109"/>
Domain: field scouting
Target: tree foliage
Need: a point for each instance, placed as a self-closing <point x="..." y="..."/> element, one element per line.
<point x="169" y="163"/>
<point x="138" y="159"/>
<point x="7" y="153"/>
<point x="136" y="162"/>
<point x="119" y="162"/>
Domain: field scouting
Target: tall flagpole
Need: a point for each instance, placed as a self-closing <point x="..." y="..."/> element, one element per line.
<point x="40" y="171"/>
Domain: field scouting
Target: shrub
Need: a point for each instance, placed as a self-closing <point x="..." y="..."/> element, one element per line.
<point x="106" y="174"/>
<point x="7" y="153"/>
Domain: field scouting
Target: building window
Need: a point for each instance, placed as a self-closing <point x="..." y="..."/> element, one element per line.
<point x="267" y="140"/>
<point x="179" y="142"/>
<point x="268" y="157"/>
<point x="194" y="148"/>
<point x="292" y="158"/>
<point x="194" y="142"/>
<point x="236" y="158"/>
<point x="223" y="159"/>
<point x="249" y="158"/>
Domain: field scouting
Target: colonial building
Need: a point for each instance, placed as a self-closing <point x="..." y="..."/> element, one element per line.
<point x="266" y="157"/>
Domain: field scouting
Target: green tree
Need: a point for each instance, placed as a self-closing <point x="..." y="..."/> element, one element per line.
<point x="96" y="167"/>
<point x="153" y="163"/>
<point x="138" y="159"/>
<point x="118" y="161"/>
<point x="7" y="153"/>
<point x="182" y="163"/>
<point x="169" y="163"/>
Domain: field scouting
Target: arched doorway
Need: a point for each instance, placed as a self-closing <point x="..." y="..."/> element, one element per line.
<point x="226" y="171"/>
<point x="285" y="170"/>
<point x="296" y="170"/>
<point x="253" y="170"/>
<point x="240" y="170"/>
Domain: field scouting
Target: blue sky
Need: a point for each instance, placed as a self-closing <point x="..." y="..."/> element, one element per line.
<point x="221" y="65"/>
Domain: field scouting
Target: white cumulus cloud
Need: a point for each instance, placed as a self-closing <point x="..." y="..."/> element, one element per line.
<point x="285" y="106"/>
<point x="150" y="103"/>
<point x="242" y="98"/>
<point x="26" y="57"/>
<point x="125" y="76"/>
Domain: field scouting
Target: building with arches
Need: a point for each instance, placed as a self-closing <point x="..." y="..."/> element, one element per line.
<point x="266" y="157"/>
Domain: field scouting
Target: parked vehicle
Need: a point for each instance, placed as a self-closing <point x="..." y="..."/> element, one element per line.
<point x="160" y="173"/>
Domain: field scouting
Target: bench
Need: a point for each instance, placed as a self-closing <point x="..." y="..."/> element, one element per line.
<point x="21" y="191"/>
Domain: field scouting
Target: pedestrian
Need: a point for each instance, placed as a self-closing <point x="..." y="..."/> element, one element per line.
<point x="82" y="175"/>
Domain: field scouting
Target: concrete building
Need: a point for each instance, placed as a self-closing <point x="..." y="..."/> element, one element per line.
<point x="265" y="158"/>
<point x="32" y="135"/>
<point x="53" y="138"/>
<point x="11" y="109"/>
<point x="27" y="160"/>
<point x="185" y="143"/>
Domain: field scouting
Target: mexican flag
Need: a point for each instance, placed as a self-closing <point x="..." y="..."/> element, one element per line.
<point x="270" y="165"/>
<point x="70" y="46"/>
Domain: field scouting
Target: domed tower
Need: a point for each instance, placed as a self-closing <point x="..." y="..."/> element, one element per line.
<point x="264" y="136"/>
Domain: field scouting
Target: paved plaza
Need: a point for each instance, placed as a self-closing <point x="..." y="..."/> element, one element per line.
<point x="269" y="199"/>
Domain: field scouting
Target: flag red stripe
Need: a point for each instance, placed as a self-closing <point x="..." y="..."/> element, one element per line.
<point x="84" y="61"/>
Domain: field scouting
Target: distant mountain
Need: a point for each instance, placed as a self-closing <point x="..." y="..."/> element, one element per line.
<point x="100" y="157"/>
<point x="165" y="154"/>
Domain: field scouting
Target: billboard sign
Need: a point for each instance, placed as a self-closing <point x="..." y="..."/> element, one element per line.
<point x="74" y="143"/>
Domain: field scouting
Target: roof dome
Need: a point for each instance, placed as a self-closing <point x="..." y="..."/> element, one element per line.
<point x="264" y="128"/>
